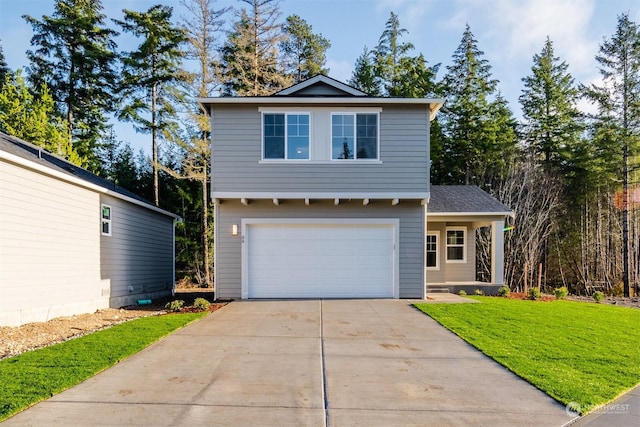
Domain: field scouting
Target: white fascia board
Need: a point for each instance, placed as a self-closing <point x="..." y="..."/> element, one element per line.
<point x="80" y="182"/>
<point x="317" y="195"/>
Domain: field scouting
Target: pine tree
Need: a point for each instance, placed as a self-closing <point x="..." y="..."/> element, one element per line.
<point x="75" y="58"/>
<point x="474" y="119"/>
<point x="33" y="118"/>
<point x="4" y="68"/>
<point x="202" y="26"/>
<point x="619" y="111"/>
<point x="552" y="122"/>
<point x="249" y="64"/>
<point x="389" y="54"/>
<point x="305" y="52"/>
<point x="364" y="75"/>
<point x="151" y="76"/>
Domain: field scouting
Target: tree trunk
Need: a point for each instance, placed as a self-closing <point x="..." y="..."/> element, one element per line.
<point x="205" y="233"/>
<point x="154" y="144"/>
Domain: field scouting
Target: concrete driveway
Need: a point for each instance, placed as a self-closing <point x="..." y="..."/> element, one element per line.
<point x="304" y="363"/>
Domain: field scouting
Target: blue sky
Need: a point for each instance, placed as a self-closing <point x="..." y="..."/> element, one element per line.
<point x="509" y="32"/>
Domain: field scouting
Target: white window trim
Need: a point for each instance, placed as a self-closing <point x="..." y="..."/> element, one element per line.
<point x="105" y="221"/>
<point x="355" y="135"/>
<point x="286" y="131"/>
<point x="437" y="266"/>
<point x="464" y="246"/>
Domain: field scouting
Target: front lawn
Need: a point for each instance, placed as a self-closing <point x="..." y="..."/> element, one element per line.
<point x="575" y="352"/>
<point x="37" y="375"/>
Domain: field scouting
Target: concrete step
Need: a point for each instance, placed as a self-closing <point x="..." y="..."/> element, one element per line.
<point x="437" y="289"/>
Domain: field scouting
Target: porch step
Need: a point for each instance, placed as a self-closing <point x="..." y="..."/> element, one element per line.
<point x="437" y="289"/>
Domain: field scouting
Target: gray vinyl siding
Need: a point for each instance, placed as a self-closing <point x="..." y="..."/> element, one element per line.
<point x="237" y="153"/>
<point x="411" y="251"/>
<point x="453" y="271"/>
<point x="137" y="258"/>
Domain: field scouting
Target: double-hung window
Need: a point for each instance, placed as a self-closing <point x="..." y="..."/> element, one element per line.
<point x="432" y="250"/>
<point x="456" y="244"/>
<point x="354" y="136"/>
<point x="105" y="220"/>
<point x="285" y="136"/>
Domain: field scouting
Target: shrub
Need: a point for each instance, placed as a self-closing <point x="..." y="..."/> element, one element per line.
<point x="534" y="293"/>
<point x="175" y="305"/>
<point x="598" y="296"/>
<point x="504" y="291"/>
<point x="201" y="304"/>
<point x="479" y="292"/>
<point x="561" y="293"/>
<point x="462" y="293"/>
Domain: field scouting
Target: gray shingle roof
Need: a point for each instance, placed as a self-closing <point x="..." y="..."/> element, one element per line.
<point x="40" y="156"/>
<point x="463" y="199"/>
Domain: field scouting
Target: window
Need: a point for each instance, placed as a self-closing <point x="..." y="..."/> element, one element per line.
<point x="354" y="136"/>
<point x="285" y="136"/>
<point x="105" y="223"/>
<point x="432" y="250"/>
<point x="456" y="245"/>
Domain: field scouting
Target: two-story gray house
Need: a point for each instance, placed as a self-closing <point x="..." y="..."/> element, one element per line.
<point x="321" y="191"/>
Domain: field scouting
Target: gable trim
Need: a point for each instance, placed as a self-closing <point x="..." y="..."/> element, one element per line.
<point x="320" y="79"/>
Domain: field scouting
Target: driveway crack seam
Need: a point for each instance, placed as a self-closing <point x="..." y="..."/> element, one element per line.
<point x="322" y="366"/>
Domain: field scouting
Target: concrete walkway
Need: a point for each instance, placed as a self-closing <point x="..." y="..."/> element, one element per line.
<point x="304" y="363"/>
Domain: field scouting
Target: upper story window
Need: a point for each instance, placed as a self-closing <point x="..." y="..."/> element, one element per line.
<point x="456" y="237"/>
<point x="286" y="136"/>
<point x="105" y="220"/>
<point x="354" y="136"/>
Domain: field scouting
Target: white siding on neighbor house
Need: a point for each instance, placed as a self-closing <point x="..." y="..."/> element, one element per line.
<point x="228" y="269"/>
<point x="137" y="258"/>
<point x="49" y="248"/>
<point x="238" y="166"/>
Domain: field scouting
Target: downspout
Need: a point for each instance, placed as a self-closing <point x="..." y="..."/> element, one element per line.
<point x="173" y="255"/>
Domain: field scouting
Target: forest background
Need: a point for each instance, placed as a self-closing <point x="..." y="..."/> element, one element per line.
<point x="569" y="173"/>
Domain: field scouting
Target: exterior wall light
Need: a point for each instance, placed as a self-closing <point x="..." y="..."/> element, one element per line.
<point x="234" y="229"/>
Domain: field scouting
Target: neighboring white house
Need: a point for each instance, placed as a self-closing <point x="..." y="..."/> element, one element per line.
<point x="72" y="242"/>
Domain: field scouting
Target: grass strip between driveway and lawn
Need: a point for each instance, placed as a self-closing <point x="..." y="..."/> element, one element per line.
<point x="581" y="354"/>
<point x="34" y="376"/>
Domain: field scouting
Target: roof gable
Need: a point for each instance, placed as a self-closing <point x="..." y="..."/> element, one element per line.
<point x="320" y="85"/>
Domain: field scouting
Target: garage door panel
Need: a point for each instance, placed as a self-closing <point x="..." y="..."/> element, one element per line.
<point x="319" y="260"/>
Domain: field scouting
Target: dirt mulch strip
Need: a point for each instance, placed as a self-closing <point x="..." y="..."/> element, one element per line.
<point x="31" y="336"/>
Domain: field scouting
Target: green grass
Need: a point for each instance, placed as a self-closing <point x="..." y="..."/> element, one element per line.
<point x="575" y="352"/>
<point x="37" y="375"/>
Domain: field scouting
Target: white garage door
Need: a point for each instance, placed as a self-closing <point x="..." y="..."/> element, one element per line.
<point x="319" y="260"/>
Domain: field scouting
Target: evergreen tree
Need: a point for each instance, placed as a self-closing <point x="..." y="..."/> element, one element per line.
<point x="4" y="68"/>
<point x="305" y="52"/>
<point x="364" y="75"/>
<point x="151" y="75"/>
<point x="249" y="64"/>
<point x="202" y="26"/>
<point x="75" y="58"/>
<point x="33" y="118"/>
<point x="474" y="120"/>
<point x="552" y="122"/>
<point x="618" y="100"/>
<point x="389" y="54"/>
